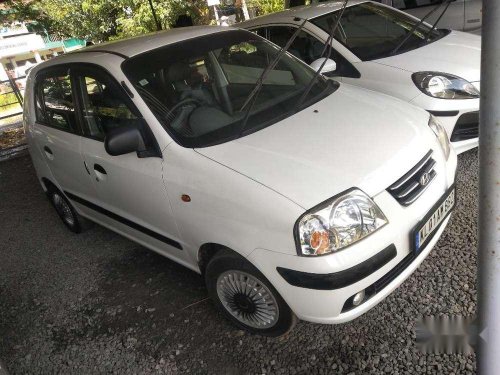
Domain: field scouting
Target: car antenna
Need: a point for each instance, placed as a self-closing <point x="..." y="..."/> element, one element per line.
<point x="328" y="45"/>
<point x="415" y="27"/>
<point x="439" y="19"/>
<point x="250" y="100"/>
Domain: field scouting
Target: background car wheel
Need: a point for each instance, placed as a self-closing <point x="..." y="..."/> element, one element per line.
<point x="246" y="297"/>
<point x="67" y="213"/>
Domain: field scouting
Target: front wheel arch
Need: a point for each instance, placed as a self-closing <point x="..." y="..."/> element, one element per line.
<point x="209" y="250"/>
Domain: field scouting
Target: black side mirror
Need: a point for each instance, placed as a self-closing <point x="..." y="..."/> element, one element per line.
<point x="123" y="140"/>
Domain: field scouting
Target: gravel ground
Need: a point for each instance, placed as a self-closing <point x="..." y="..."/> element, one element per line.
<point x="98" y="303"/>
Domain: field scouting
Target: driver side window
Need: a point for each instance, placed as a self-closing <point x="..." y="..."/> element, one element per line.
<point x="308" y="49"/>
<point x="103" y="106"/>
<point x="305" y="47"/>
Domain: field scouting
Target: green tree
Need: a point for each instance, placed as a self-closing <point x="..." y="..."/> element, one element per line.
<point x="266" y="6"/>
<point x="94" y="20"/>
<point x="19" y="10"/>
<point x="102" y="20"/>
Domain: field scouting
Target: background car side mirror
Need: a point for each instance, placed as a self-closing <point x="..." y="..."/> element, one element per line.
<point x="330" y="65"/>
<point x="123" y="140"/>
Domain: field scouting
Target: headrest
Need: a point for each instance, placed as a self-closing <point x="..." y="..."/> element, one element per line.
<point x="178" y="71"/>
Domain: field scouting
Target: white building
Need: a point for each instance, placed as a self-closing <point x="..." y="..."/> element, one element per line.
<point x="20" y="49"/>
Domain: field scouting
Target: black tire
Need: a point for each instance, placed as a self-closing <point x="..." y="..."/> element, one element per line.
<point x="227" y="264"/>
<point x="67" y="212"/>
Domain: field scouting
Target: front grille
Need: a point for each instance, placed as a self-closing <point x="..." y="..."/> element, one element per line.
<point x="467" y="127"/>
<point x="408" y="188"/>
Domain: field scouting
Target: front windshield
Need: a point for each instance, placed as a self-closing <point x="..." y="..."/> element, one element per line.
<point x="372" y="31"/>
<point x="197" y="87"/>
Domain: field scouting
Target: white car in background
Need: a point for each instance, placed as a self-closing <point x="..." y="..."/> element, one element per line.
<point x="463" y="15"/>
<point x="435" y="69"/>
<point x="290" y="204"/>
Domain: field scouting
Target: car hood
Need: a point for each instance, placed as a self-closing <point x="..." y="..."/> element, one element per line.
<point x="457" y="53"/>
<point x="352" y="138"/>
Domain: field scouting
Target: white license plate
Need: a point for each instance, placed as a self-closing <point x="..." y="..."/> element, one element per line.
<point x="426" y="228"/>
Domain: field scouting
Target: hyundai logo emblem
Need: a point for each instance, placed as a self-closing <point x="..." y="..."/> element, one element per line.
<point x="424" y="179"/>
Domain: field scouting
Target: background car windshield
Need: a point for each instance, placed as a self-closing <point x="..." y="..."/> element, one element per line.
<point x="371" y="31"/>
<point x="197" y="87"/>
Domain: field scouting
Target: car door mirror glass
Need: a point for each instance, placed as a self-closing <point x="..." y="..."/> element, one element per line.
<point x="123" y="140"/>
<point x="330" y="65"/>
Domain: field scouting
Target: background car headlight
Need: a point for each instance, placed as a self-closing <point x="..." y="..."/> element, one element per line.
<point x="338" y="223"/>
<point x="441" y="135"/>
<point x="445" y="86"/>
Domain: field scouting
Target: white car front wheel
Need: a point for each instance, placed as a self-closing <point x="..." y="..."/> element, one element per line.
<point x="245" y="296"/>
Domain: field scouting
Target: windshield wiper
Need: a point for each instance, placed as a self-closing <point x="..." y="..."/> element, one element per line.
<point x="426" y="38"/>
<point x="328" y="45"/>
<point x="398" y="47"/>
<point x="250" y="100"/>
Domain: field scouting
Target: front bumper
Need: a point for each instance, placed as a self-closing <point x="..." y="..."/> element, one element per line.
<point x="331" y="305"/>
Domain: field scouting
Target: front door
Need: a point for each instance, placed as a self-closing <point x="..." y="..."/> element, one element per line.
<point x="131" y="196"/>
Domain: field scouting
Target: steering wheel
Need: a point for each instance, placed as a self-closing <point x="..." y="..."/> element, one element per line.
<point x="182" y="103"/>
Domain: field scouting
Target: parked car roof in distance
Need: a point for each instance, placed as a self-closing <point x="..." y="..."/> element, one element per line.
<point x="304" y="12"/>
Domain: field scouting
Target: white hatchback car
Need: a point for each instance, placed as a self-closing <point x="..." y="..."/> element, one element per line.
<point x="437" y="70"/>
<point x="314" y="207"/>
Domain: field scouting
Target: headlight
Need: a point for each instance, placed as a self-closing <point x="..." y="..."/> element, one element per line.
<point x="441" y="135"/>
<point x="444" y="86"/>
<point x="337" y="223"/>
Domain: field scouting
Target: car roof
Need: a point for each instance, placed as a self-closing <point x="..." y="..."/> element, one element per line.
<point x="303" y="12"/>
<point x="136" y="45"/>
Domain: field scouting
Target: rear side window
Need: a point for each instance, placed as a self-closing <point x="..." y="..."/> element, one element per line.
<point x="55" y="103"/>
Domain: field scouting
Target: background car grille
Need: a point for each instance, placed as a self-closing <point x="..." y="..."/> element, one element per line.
<point x="408" y="188"/>
<point x="467" y="127"/>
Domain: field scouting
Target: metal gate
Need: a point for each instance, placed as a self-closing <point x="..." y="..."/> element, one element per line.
<point x="12" y="138"/>
<point x="11" y="100"/>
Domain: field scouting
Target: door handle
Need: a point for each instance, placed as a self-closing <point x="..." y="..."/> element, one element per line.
<point x="99" y="169"/>
<point x="48" y="153"/>
<point x="100" y="173"/>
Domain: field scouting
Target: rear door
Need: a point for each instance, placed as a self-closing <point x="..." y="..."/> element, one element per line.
<point x="57" y="131"/>
<point x="452" y="19"/>
<point x="131" y="196"/>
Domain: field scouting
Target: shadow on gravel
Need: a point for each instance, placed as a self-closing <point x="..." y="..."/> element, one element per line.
<point x="140" y="291"/>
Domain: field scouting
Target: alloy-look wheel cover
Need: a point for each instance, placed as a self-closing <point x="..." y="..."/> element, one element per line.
<point x="63" y="209"/>
<point x="247" y="299"/>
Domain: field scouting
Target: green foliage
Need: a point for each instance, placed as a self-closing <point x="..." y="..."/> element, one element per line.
<point x="8" y="101"/>
<point x="137" y="17"/>
<point x="20" y="10"/>
<point x="266" y="6"/>
<point x="94" y="20"/>
<point x="103" y="20"/>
